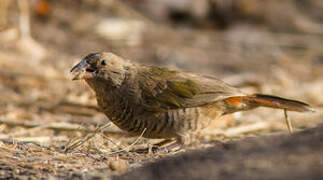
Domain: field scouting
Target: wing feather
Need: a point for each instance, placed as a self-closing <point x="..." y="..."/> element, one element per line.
<point x="163" y="89"/>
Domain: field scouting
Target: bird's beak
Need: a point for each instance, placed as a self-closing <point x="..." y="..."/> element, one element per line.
<point x="79" y="70"/>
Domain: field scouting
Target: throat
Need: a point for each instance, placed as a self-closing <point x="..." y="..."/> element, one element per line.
<point x="117" y="108"/>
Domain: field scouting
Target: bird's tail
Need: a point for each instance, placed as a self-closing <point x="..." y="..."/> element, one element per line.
<point x="258" y="100"/>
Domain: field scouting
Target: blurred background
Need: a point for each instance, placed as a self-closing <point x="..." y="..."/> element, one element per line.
<point x="266" y="46"/>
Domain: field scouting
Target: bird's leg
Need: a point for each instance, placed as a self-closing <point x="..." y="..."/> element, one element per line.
<point x="164" y="142"/>
<point x="163" y="146"/>
<point x="175" y="145"/>
<point x="172" y="144"/>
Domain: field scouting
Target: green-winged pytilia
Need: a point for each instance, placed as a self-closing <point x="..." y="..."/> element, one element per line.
<point x="164" y="103"/>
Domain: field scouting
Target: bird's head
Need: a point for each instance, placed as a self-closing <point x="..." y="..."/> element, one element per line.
<point x="102" y="65"/>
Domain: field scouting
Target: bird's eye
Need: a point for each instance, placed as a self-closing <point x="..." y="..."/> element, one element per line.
<point x="103" y="62"/>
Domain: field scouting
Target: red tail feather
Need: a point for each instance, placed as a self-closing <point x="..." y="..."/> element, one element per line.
<point x="277" y="102"/>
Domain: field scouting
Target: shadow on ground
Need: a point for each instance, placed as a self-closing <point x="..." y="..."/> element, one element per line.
<point x="298" y="156"/>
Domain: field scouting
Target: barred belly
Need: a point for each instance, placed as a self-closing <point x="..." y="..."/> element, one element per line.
<point x="175" y="123"/>
<point x="169" y="124"/>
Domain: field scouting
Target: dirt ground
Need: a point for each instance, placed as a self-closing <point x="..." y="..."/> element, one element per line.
<point x="297" y="156"/>
<point x="44" y="115"/>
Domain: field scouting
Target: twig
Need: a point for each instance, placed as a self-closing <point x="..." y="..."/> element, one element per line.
<point x="110" y="140"/>
<point x="288" y="122"/>
<point x="77" y="143"/>
<point x="38" y="140"/>
<point x="126" y="149"/>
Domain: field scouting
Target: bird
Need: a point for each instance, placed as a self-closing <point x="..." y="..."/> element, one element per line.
<point x="157" y="102"/>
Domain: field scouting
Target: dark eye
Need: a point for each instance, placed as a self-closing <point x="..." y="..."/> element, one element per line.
<point x="103" y="62"/>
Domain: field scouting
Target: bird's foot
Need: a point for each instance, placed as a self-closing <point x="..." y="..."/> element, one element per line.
<point x="162" y="147"/>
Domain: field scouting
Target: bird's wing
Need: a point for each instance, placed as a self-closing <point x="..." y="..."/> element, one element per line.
<point x="163" y="89"/>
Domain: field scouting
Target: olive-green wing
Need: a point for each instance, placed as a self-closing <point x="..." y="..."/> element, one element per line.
<point x="162" y="89"/>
